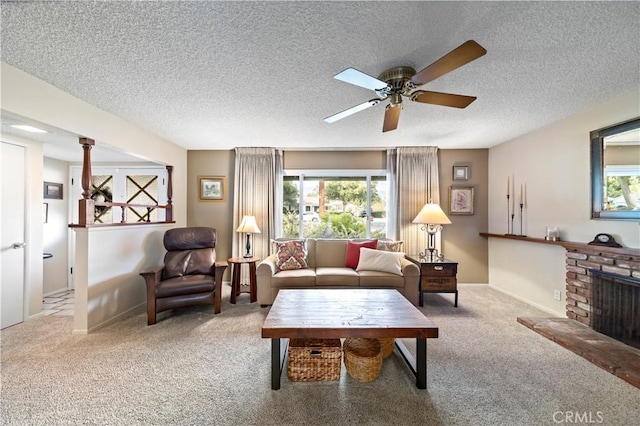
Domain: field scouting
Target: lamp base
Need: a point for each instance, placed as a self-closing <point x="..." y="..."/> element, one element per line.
<point x="248" y="247"/>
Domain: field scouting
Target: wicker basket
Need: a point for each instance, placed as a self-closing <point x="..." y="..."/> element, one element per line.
<point x="386" y="346"/>
<point x="313" y="360"/>
<point x="363" y="358"/>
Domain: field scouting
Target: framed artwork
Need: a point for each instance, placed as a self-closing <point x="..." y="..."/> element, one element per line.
<point x="211" y="188"/>
<point x="52" y="190"/>
<point x="461" y="200"/>
<point x="45" y="212"/>
<point x="460" y="172"/>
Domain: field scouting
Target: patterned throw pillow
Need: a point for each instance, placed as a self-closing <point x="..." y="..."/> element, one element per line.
<point x="390" y="245"/>
<point x="291" y="255"/>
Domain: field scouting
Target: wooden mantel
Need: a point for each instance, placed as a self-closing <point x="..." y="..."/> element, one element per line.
<point x="568" y="245"/>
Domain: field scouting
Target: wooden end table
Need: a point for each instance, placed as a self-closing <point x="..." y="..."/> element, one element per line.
<point x="436" y="276"/>
<point x="236" y="266"/>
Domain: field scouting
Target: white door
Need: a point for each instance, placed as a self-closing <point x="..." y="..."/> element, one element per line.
<point x="12" y="252"/>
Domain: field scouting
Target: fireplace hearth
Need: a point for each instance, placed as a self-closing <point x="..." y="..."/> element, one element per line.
<point x="615" y="306"/>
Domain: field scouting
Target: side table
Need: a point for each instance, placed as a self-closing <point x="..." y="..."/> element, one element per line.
<point x="236" y="266"/>
<point x="436" y="276"/>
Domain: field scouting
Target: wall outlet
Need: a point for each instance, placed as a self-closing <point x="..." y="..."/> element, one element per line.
<point x="557" y="295"/>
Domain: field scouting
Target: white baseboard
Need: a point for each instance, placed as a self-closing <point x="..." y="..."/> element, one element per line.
<point x="113" y="319"/>
<point x="528" y="302"/>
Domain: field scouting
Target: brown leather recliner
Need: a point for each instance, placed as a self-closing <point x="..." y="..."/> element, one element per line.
<point x="190" y="275"/>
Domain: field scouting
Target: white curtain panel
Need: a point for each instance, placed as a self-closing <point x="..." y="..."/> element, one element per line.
<point x="258" y="175"/>
<point x="416" y="184"/>
<point x="393" y="230"/>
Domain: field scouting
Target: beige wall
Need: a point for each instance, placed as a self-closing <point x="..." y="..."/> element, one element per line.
<point x="335" y="160"/>
<point x="461" y="240"/>
<point x="554" y="163"/>
<point x="56" y="230"/>
<point x="215" y="214"/>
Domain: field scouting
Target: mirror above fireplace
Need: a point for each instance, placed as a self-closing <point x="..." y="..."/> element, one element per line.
<point x="615" y="171"/>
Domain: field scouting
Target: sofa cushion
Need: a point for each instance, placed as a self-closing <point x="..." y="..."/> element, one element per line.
<point x="290" y="255"/>
<point x="353" y="251"/>
<point x="390" y="245"/>
<point x="329" y="252"/>
<point x="294" y="278"/>
<point x="378" y="279"/>
<point x="378" y="260"/>
<point x="343" y="277"/>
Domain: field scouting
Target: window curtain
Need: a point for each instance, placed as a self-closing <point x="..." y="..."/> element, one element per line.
<point x="258" y="175"/>
<point x="413" y="178"/>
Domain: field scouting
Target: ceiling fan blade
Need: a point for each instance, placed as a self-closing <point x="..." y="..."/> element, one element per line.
<point x="391" y="116"/>
<point x="461" y="55"/>
<point x="353" y="76"/>
<point x="352" y="110"/>
<point x="444" y="99"/>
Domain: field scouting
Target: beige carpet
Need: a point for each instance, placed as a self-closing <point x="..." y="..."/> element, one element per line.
<point x="196" y="368"/>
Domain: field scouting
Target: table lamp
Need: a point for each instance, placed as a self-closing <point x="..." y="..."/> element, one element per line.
<point x="248" y="226"/>
<point x="432" y="217"/>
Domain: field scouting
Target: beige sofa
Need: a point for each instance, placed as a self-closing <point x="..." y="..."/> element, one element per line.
<point x="326" y="260"/>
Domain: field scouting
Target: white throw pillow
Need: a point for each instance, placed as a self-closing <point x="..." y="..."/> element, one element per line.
<point x="378" y="260"/>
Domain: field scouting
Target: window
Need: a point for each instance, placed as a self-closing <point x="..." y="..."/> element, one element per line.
<point x="335" y="204"/>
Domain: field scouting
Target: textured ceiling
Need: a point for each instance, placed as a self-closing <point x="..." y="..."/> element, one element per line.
<point x="216" y="75"/>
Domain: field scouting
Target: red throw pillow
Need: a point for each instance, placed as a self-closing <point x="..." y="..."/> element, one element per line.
<point x="353" y="251"/>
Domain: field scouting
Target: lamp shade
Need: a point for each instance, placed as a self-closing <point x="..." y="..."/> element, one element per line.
<point x="248" y="225"/>
<point x="432" y="214"/>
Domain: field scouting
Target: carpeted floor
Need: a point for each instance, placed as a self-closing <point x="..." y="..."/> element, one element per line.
<point x="196" y="368"/>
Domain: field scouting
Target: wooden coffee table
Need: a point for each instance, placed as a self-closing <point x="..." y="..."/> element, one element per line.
<point x="338" y="313"/>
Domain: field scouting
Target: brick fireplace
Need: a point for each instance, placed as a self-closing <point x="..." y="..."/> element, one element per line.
<point x="583" y="264"/>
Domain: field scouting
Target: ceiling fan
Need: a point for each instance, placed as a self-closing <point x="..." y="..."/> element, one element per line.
<point x="397" y="82"/>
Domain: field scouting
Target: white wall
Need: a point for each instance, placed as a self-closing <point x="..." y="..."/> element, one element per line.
<point x="56" y="230"/>
<point x="554" y="163"/>
<point x="27" y="96"/>
<point x="109" y="262"/>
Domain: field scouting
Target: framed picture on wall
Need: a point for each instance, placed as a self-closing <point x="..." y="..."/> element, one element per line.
<point x="52" y="190"/>
<point x="461" y="200"/>
<point x="211" y="188"/>
<point x="460" y="172"/>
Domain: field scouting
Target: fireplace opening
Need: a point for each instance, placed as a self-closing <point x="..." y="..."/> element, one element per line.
<point x="615" y="307"/>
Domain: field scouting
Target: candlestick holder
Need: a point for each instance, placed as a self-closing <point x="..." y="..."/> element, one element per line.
<point x="521" y="209"/>
<point x="513" y="215"/>
<point x="508" y="229"/>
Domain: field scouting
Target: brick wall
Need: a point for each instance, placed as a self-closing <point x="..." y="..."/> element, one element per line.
<point x="579" y="260"/>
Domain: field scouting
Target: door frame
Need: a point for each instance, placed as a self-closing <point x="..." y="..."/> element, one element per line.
<point x="33" y="221"/>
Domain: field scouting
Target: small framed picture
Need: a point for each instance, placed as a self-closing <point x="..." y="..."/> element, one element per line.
<point x="211" y="188"/>
<point x="460" y="172"/>
<point x="52" y="190"/>
<point x="461" y="200"/>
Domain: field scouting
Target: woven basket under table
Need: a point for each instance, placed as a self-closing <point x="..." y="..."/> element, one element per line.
<point x="386" y="346"/>
<point x="313" y="360"/>
<point x="362" y="358"/>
